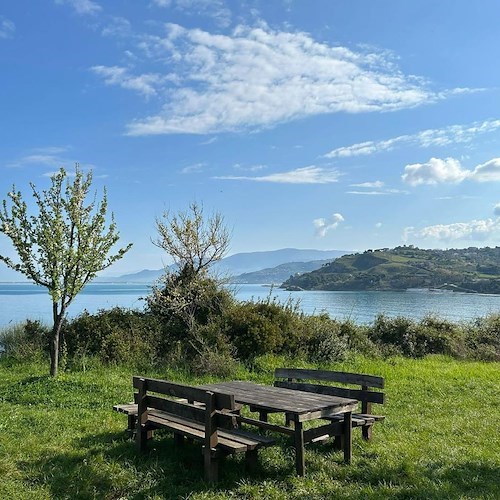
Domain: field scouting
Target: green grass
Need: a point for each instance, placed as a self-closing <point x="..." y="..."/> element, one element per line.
<point x="60" y="439"/>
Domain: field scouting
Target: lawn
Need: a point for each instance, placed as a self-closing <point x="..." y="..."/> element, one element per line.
<point x="60" y="439"/>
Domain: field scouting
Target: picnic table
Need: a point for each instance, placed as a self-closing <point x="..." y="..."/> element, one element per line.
<point x="299" y="406"/>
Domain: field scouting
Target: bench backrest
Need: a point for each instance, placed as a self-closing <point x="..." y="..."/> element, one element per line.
<point x="295" y="378"/>
<point x="206" y="413"/>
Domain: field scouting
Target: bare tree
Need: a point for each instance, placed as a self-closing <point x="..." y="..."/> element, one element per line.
<point x="193" y="241"/>
<point x="64" y="246"/>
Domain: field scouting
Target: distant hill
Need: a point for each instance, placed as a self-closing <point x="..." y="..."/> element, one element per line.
<point x="248" y="262"/>
<point x="279" y="273"/>
<point x="241" y="263"/>
<point x="467" y="270"/>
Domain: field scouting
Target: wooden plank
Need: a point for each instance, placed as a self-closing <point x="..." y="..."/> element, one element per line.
<point x="360" y="395"/>
<point x="185" y="391"/>
<point x="356" y="421"/>
<point x="275" y="399"/>
<point x="377" y="418"/>
<point x="316" y="433"/>
<point x="300" y="465"/>
<point x="256" y="438"/>
<point x="266" y="425"/>
<point x="141" y="435"/>
<point x="234" y="439"/>
<point x="330" y="376"/>
<point x="347" y="438"/>
<point x="191" y="412"/>
<point x="128" y="409"/>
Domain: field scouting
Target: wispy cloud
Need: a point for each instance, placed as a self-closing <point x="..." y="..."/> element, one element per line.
<point x="257" y="77"/>
<point x="375" y="184"/>
<point x="193" y="169"/>
<point x="475" y="230"/>
<point x="117" y="27"/>
<point x="304" y="175"/>
<point x="7" y="28"/>
<point x="322" y="225"/>
<point x="146" y="84"/>
<point x="496" y="209"/>
<point x="368" y="193"/>
<point x="249" y="168"/>
<point x="216" y="9"/>
<point x="50" y="156"/>
<point x="450" y="170"/>
<point x="375" y="188"/>
<point x="209" y="141"/>
<point x="454" y="134"/>
<point x="82" y="7"/>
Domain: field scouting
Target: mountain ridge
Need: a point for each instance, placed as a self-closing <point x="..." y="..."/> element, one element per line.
<point x="243" y="263"/>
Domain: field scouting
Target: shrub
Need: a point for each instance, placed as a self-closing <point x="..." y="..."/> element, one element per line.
<point x="26" y="341"/>
<point x="264" y="327"/>
<point x="327" y="341"/>
<point x="483" y="338"/>
<point x="115" y="336"/>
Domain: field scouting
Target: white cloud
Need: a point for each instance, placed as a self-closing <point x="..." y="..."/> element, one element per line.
<point x="82" y="6"/>
<point x="454" y="134"/>
<point x="489" y="171"/>
<point x="375" y="184"/>
<point x="496" y="209"/>
<point x="257" y="78"/>
<point x="193" y="169"/>
<point x="304" y="175"/>
<point x="117" y="27"/>
<point x="7" y="28"/>
<point x="146" y="84"/>
<point x="476" y="230"/>
<point x="323" y="225"/>
<point x="378" y="225"/>
<point x="435" y="171"/>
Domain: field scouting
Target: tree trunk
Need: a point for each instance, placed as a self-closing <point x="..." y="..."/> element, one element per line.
<point x="58" y="317"/>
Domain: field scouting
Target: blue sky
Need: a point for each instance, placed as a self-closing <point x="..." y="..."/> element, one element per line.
<point x="306" y="123"/>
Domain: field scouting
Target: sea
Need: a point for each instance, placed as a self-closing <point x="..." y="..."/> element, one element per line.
<point x="21" y="301"/>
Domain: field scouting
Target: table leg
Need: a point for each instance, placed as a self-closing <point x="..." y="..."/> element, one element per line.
<point x="347" y="437"/>
<point x="300" y="465"/>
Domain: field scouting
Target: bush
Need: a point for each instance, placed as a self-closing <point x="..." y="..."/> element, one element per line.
<point x="114" y="336"/>
<point x="264" y="327"/>
<point x="327" y="342"/>
<point x="483" y="338"/>
<point x="26" y="341"/>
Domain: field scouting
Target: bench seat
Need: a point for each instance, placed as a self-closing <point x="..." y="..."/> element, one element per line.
<point x="232" y="440"/>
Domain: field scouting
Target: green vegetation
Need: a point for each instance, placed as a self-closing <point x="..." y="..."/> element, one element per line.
<point x="64" y="246"/>
<point x="467" y="270"/>
<point x="60" y="438"/>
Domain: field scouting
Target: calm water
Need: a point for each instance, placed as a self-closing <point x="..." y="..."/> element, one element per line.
<point x="21" y="301"/>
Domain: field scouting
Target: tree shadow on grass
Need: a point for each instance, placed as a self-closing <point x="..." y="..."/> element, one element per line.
<point x="108" y="465"/>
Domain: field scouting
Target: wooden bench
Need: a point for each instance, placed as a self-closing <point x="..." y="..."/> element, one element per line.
<point x="194" y="413"/>
<point x="130" y="409"/>
<point x="292" y="378"/>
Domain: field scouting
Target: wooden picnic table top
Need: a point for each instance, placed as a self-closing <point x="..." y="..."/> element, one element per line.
<point x="303" y="405"/>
